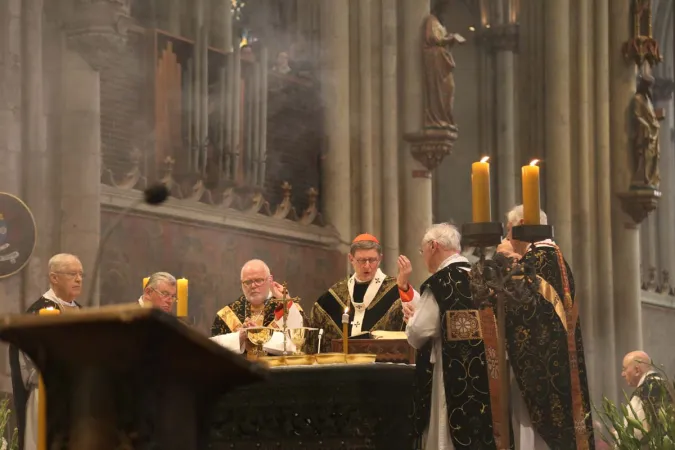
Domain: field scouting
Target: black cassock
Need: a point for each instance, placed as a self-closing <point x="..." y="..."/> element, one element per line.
<point x="546" y="353"/>
<point x="384" y="313"/>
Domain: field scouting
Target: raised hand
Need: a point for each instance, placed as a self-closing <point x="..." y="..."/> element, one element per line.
<point x="404" y="271"/>
<point x="278" y="290"/>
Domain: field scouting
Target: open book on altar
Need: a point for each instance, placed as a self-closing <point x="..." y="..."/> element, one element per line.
<point x="380" y="335"/>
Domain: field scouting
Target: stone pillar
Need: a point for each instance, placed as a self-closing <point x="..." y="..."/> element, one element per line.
<point x="557" y="128"/>
<point x="417" y="189"/>
<point x="335" y="87"/>
<point x="366" y="117"/>
<point x="583" y="212"/>
<point x="604" y="307"/>
<point x="625" y="236"/>
<point x="174" y="17"/>
<point x="80" y="162"/>
<point x="504" y="40"/>
<point x="390" y="136"/>
<point x="36" y="165"/>
<point x="10" y="132"/>
<point x="663" y="94"/>
<point x="376" y="114"/>
<point x="648" y="257"/>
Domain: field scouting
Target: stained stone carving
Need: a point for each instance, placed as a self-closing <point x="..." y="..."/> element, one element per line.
<point x="642" y="47"/>
<point x="434" y="142"/>
<point x="646" y="149"/>
<point x="97" y="28"/>
<point x="500" y="38"/>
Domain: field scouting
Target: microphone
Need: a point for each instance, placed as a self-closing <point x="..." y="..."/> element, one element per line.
<point x="153" y="195"/>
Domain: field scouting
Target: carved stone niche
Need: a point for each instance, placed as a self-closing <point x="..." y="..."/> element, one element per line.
<point x="499" y="38"/>
<point x="639" y="203"/>
<point x="95" y="28"/>
<point x="430" y="146"/>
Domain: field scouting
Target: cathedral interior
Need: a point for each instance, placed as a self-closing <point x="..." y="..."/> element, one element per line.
<point x="280" y="128"/>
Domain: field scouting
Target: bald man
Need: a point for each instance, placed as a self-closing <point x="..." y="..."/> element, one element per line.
<point x="650" y="389"/>
<point x="65" y="280"/>
<point x="254" y="309"/>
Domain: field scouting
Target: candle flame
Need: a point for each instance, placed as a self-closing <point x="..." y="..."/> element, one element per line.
<point x="534" y="162"/>
<point x="485" y="159"/>
<point x="347" y="310"/>
<point x="49" y="308"/>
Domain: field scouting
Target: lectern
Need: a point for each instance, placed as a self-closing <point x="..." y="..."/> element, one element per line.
<point x="125" y="377"/>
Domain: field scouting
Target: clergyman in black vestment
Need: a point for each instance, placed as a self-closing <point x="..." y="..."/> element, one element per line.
<point x="65" y="279"/>
<point x="546" y="351"/>
<point x="372" y="299"/>
<point x="456" y="391"/>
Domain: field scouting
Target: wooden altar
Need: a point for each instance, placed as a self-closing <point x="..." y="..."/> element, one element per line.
<point x="127" y="377"/>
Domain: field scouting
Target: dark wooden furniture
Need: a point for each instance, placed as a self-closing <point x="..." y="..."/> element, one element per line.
<point x="127" y="377"/>
<point x="387" y="350"/>
<point x="328" y="407"/>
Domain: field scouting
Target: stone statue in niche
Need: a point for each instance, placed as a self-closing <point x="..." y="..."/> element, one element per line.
<point x="646" y="127"/>
<point x="439" y="82"/>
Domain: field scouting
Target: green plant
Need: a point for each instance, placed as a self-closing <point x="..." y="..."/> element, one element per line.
<point x="9" y="439"/>
<point x="623" y="432"/>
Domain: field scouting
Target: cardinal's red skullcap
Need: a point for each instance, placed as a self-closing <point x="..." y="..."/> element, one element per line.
<point x="365" y="237"/>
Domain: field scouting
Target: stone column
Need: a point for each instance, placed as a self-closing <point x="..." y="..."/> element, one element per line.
<point x="648" y="256"/>
<point x="174" y="17"/>
<point x="504" y="40"/>
<point x="376" y="114"/>
<point x="417" y="189"/>
<point x="390" y="136"/>
<point x="10" y="133"/>
<point x="557" y="128"/>
<point x="603" y="323"/>
<point x="335" y="87"/>
<point x="366" y="117"/>
<point x="36" y="166"/>
<point x="80" y="162"/>
<point x="663" y="94"/>
<point x="625" y="236"/>
<point x="583" y="211"/>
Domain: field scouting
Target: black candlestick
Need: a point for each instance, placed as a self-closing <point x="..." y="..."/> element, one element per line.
<point x="532" y="233"/>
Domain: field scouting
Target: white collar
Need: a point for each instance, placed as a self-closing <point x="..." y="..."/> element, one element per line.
<point x="51" y="295"/>
<point x="454" y="259"/>
<point x="644" y="375"/>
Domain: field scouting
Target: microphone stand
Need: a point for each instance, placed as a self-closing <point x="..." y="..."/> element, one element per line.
<point x="160" y="191"/>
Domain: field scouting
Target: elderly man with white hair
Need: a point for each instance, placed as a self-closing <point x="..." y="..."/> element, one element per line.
<point x="254" y="309"/>
<point x="551" y="405"/>
<point x="159" y="292"/>
<point x="453" y="389"/>
<point x="651" y="390"/>
<point x="65" y="280"/>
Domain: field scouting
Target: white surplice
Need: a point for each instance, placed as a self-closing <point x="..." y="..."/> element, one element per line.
<point x="275" y="346"/>
<point x="30" y="379"/>
<point x="425" y="324"/>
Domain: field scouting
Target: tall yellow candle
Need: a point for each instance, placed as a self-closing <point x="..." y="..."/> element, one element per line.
<point x="42" y="394"/>
<point x="480" y="190"/>
<point x="145" y="281"/>
<point x="531" y="206"/>
<point x="345" y="331"/>
<point x="182" y="297"/>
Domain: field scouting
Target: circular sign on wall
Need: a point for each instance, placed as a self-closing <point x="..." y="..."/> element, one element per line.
<point x="18" y="234"/>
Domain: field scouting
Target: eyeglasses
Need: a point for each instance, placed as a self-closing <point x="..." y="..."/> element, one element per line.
<point x="163" y="294"/>
<point x="72" y="274"/>
<point x="369" y="261"/>
<point x="254" y="282"/>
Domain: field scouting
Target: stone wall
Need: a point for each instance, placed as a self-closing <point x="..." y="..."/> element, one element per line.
<point x="210" y="257"/>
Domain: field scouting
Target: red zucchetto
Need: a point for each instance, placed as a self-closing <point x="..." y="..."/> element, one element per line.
<point x="365" y="237"/>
